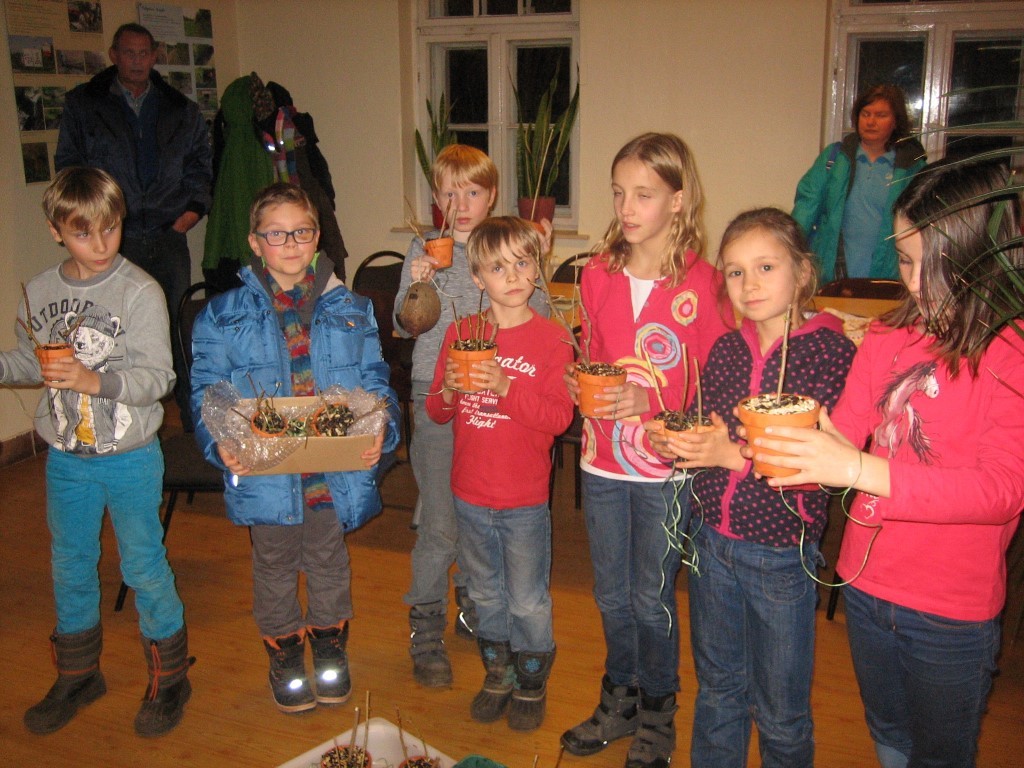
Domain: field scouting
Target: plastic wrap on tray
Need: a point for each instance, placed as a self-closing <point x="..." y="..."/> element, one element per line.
<point x="228" y="417"/>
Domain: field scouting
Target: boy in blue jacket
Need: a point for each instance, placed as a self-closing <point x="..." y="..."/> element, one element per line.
<point x="294" y="329"/>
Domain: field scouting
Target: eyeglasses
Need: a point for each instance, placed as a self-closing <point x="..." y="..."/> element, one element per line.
<point x="280" y="237"/>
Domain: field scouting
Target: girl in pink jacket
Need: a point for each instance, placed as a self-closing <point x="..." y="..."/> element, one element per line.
<point x="935" y="392"/>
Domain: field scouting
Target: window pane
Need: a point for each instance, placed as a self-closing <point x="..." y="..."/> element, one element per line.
<point x="442" y="8"/>
<point x="478" y="139"/>
<point x="980" y="64"/>
<point x="466" y="70"/>
<point x="500" y="7"/>
<point x="967" y="146"/>
<point x="535" y="67"/>
<point x="896" y="62"/>
<point x="551" y="6"/>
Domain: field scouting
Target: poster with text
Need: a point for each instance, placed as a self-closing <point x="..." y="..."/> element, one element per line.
<point x="185" y="52"/>
<point x="54" y="46"/>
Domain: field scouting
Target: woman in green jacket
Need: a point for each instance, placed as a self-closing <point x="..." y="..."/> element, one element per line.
<point x="844" y="202"/>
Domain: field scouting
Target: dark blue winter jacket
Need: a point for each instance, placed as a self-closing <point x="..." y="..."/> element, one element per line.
<point x="95" y="131"/>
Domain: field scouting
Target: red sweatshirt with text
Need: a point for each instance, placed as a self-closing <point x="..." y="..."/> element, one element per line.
<point x="502" y="456"/>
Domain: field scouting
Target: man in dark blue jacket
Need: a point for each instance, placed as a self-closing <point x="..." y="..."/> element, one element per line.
<point x="155" y="144"/>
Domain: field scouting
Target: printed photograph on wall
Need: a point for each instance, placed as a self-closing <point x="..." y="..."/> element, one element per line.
<point x="70" y="62"/>
<point x="199" y="24"/>
<point x="31" y="55"/>
<point x="85" y="16"/>
<point x="181" y="81"/>
<point x="95" y="62"/>
<point x="36" y="161"/>
<point x="29" y="100"/>
<point x="202" y="54"/>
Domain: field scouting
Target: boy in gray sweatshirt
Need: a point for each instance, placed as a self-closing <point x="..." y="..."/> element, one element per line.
<point x="107" y="322"/>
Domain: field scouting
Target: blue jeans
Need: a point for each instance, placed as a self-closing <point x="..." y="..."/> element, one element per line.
<point x="507" y="557"/>
<point x="924" y="680"/>
<point x="752" y="632"/>
<point x="634" y="579"/>
<point x="437" y="535"/>
<point x="130" y="486"/>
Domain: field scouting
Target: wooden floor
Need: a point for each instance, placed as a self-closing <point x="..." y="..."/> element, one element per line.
<point x="231" y="720"/>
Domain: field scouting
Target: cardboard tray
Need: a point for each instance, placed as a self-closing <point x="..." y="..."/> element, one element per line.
<point x="316" y="454"/>
<point x="383" y="744"/>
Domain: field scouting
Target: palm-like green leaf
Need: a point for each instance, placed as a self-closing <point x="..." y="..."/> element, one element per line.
<point x="440" y="136"/>
<point x="540" y="145"/>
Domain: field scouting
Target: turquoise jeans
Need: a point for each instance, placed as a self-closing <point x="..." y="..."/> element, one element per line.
<point x="130" y="486"/>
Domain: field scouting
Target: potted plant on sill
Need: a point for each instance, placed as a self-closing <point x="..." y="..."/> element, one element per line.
<point x="441" y="136"/>
<point x="540" y="147"/>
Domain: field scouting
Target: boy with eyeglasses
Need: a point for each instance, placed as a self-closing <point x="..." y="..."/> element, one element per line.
<point x="294" y="329"/>
<point x="100" y="414"/>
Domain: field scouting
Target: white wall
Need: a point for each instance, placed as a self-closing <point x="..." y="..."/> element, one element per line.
<point x="740" y="80"/>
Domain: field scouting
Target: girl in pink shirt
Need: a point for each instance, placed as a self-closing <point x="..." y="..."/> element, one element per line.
<point x="935" y="392"/>
<point x="646" y="295"/>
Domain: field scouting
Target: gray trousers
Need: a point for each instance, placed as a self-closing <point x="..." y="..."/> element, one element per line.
<point x="279" y="553"/>
<point x="437" y="535"/>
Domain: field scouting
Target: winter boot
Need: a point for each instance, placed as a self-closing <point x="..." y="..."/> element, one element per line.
<point x="330" y="663"/>
<point x="465" y="620"/>
<point x="614" y="717"/>
<point x="430" y="665"/>
<point x="288" y="681"/>
<point x="489" y="704"/>
<point x="526" y="712"/>
<point x="169" y="688"/>
<point x="656" y="737"/>
<point x="79" y="680"/>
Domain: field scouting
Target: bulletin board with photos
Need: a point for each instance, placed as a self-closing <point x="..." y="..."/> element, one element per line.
<point x="56" y="45"/>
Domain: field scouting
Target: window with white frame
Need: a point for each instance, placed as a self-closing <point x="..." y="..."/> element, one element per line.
<point x="479" y="53"/>
<point x="958" y="61"/>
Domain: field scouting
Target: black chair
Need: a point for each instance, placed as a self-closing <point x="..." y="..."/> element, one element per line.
<point x="377" y="278"/>
<point x="185" y="468"/>
<point x="572" y="436"/>
<point x="568" y="270"/>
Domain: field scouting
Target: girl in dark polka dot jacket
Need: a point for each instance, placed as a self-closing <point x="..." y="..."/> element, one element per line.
<point x="751" y="603"/>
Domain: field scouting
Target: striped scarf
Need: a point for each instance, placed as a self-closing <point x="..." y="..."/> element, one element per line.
<point x="287" y="303"/>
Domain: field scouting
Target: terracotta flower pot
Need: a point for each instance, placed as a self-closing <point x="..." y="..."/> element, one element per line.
<point x="593" y="384"/>
<point x="331" y="420"/>
<point x="795" y="411"/>
<point x="440" y="250"/>
<point x="346" y="757"/>
<point x="49" y="352"/>
<point x="545" y="208"/>
<point x="418" y="761"/>
<point x="260" y="425"/>
<point x="465" y="358"/>
<point x="670" y="429"/>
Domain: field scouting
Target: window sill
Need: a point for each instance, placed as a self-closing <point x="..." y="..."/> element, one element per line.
<point x="560" y="234"/>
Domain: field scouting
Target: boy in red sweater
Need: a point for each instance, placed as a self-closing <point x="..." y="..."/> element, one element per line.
<point x="501" y="507"/>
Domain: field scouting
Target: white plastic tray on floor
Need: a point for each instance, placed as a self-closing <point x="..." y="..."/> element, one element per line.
<point x="383" y="744"/>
